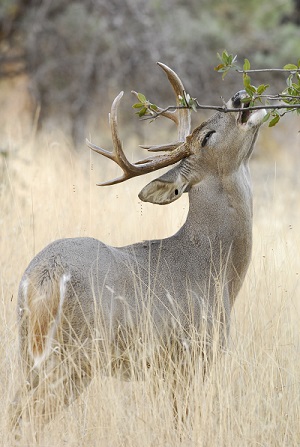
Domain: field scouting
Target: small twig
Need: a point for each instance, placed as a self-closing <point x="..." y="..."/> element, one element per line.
<point x="223" y="109"/>
<point x="278" y="97"/>
<point x="263" y="70"/>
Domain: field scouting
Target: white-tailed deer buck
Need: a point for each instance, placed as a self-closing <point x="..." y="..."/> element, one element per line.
<point x="80" y="293"/>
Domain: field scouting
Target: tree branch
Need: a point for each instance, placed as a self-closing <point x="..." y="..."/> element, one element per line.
<point x="224" y="109"/>
<point x="266" y="70"/>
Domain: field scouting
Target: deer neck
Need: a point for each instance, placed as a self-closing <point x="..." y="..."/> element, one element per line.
<point x="220" y="218"/>
<point x="218" y="198"/>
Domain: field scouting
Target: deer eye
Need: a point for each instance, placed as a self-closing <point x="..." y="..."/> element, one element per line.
<point x="207" y="137"/>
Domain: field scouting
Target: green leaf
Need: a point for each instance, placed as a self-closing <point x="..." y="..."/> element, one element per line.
<point x="225" y="57"/>
<point x="262" y="88"/>
<point x="266" y="117"/>
<point x="225" y="73"/>
<point x="274" y="121"/>
<point x="246" y="65"/>
<point x="246" y="80"/>
<point x="153" y="107"/>
<point x="228" y="61"/>
<point x="219" y="67"/>
<point x="289" y="80"/>
<point x="142" y="112"/>
<point x="141" y="97"/>
<point x="246" y="100"/>
<point x="182" y="100"/>
<point x="193" y="104"/>
<point x="290" y="67"/>
<point x="137" y="105"/>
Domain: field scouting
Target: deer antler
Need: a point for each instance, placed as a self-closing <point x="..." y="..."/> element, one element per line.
<point x="181" y="117"/>
<point x="176" y="151"/>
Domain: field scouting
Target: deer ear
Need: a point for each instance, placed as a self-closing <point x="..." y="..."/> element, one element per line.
<point x="164" y="190"/>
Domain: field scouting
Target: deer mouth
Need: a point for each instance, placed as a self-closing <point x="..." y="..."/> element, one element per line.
<point x="250" y="119"/>
<point x="245" y="114"/>
<point x="241" y="101"/>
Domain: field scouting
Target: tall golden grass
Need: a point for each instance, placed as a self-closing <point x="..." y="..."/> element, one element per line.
<point x="252" y="395"/>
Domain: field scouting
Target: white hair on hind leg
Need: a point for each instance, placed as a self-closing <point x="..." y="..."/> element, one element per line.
<point x="24" y="290"/>
<point x="62" y="290"/>
<point x="38" y="360"/>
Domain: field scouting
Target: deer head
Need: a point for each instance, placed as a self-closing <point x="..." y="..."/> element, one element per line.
<point x="218" y="147"/>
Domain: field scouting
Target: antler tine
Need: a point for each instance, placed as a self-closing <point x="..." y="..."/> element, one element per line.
<point x="183" y="115"/>
<point x="117" y="154"/>
<point x="181" y="150"/>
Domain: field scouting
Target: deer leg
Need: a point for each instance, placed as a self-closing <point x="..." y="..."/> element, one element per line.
<point x="18" y="410"/>
<point x="46" y="392"/>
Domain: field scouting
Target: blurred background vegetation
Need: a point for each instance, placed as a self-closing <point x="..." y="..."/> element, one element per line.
<point x="77" y="55"/>
<point x="61" y="64"/>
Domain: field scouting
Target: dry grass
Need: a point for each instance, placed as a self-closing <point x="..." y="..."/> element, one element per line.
<point x="251" y="397"/>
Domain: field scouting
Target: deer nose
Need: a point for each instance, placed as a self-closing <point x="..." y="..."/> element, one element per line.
<point x="236" y="99"/>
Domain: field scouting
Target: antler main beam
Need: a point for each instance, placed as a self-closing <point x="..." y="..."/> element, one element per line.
<point x="175" y="151"/>
<point x="183" y="116"/>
